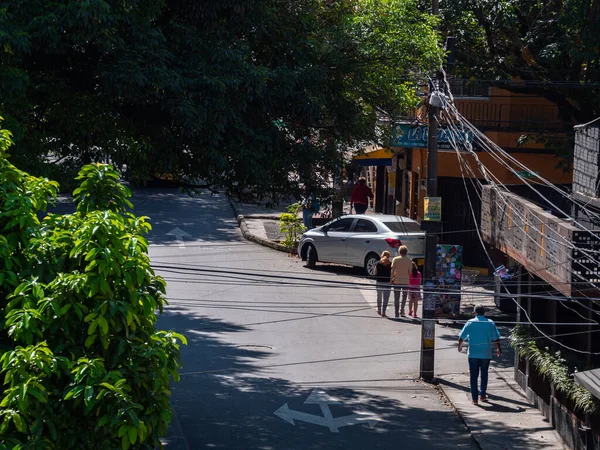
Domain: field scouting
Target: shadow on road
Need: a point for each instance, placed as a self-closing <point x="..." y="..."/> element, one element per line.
<point x="228" y="395"/>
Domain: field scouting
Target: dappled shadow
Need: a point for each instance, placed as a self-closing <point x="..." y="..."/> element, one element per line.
<point x="492" y="405"/>
<point x="524" y="425"/>
<point x="228" y="394"/>
<point x="204" y="218"/>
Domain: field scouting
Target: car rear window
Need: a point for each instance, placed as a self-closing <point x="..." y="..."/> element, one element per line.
<point x="400" y="226"/>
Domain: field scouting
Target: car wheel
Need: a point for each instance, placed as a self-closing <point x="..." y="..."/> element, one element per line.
<point x="370" y="263"/>
<point x="311" y="256"/>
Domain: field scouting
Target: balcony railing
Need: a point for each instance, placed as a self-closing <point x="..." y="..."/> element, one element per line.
<point x="488" y="116"/>
<point x="511" y="117"/>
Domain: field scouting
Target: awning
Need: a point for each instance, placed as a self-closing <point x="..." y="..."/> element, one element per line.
<point x="590" y="380"/>
<point x="380" y="157"/>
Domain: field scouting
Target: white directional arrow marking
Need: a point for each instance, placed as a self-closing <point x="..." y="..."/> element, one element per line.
<point x="321" y="398"/>
<point x="289" y="415"/>
<point x="179" y="234"/>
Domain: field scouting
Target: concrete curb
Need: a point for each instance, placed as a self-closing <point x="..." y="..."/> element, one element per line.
<point x="252" y="237"/>
<point x="442" y="392"/>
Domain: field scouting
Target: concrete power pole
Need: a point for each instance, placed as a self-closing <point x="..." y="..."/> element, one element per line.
<point x="428" y="323"/>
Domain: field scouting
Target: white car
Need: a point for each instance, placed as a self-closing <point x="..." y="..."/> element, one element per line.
<point x="358" y="240"/>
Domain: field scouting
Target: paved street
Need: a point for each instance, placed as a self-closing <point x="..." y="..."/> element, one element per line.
<point x="267" y="336"/>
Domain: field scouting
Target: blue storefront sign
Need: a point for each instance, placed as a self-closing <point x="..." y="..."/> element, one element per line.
<point x="415" y="136"/>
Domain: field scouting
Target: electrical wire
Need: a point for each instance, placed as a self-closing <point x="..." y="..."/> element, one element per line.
<point x="524" y="311"/>
<point x="349" y="358"/>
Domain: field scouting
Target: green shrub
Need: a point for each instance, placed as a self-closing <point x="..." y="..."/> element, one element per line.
<point x="555" y="369"/>
<point x="82" y="364"/>
<point x="291" y="225"/>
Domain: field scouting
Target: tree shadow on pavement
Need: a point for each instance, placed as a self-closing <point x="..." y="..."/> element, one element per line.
<point x="228" y="395"/>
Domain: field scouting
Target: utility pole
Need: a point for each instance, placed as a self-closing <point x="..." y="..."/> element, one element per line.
<point x="428" y="317"/>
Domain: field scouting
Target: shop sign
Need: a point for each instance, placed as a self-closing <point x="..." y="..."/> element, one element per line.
<point x="415" y="136"/>
<point x="526" y="174"/>
<point x="433" y="209"/>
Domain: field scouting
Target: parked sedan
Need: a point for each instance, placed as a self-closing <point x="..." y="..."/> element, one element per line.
<point x="358" y="240"/>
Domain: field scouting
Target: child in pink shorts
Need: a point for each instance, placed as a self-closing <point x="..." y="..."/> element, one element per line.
<point x="414" y="290"/>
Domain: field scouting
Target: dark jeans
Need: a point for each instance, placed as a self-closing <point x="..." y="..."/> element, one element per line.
<point x="397" y="290"/>
<point x="360" y="208"/>
<point x="476" y="365"/>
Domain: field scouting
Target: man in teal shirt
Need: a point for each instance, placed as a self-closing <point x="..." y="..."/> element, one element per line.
<point x="480" y="333"/>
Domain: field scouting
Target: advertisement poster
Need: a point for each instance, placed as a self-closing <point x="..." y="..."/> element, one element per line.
<point x="433" y="209"/>
<point x="448" y="271"/>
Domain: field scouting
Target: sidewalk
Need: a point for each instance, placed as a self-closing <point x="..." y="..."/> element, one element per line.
<point x="509" y="420"/>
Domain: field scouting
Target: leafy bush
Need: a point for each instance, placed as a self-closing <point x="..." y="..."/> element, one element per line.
<point x="82" y="364"/>
<point x="555" y="369"/>
<point x="291" y="225"/>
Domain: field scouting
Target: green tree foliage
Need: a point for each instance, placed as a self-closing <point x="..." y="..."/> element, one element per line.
<point x="237" y="93"/>
<point x="82" y="365"/>
<point x="551" y="45"/>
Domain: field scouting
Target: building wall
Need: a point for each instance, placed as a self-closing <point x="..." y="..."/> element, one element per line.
<point x="448" y="166"/>
<point x="504" y="110"/>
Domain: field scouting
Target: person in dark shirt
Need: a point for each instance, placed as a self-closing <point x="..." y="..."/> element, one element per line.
<point x="382" y="275"/>
<point x="360" y="196"/>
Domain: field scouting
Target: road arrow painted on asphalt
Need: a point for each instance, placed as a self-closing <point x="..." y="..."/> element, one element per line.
<point x="289" y="415"/>
<point x="321" y="398"/>
<point x="179" y="234"/>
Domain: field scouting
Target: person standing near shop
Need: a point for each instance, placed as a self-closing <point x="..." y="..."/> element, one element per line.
<point x="310" y="205"/>
<point x="360" y="196"/>
<point x="481" y="333"/>
<point x="401" y="267"/>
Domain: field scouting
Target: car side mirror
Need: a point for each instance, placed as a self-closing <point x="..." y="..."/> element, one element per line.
<point x="324" y="228"/>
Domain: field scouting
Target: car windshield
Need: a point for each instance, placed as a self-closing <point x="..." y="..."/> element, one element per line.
<point x="400" y="226"/>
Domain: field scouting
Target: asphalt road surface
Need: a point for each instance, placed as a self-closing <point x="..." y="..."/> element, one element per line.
<point x="279" y="356"/>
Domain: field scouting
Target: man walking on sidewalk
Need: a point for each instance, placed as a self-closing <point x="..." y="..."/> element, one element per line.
<point x="480" y="333"/>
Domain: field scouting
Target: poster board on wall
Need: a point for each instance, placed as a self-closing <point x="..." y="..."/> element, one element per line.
<point x="448" y="274"/>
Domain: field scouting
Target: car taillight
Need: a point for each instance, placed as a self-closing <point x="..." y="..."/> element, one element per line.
<point x="394" y="243"/>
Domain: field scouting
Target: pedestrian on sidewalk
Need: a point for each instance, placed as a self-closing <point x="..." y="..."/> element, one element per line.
<point x="401" y="267"/>
<point x="480" y="333"/>
<point x="310" y="205"/>
<point x="360" y="196"/>
<point x="414" y="290"/>
<point x="382" y="274"/>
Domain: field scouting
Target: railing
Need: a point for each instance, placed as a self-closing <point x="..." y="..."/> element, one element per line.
<point x="506" y="117"/>
<point x="513" y="117"/>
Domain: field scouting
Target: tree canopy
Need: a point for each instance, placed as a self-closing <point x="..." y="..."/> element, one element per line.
<point x="237" y="93"/>
<point x="552" y="46"/>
